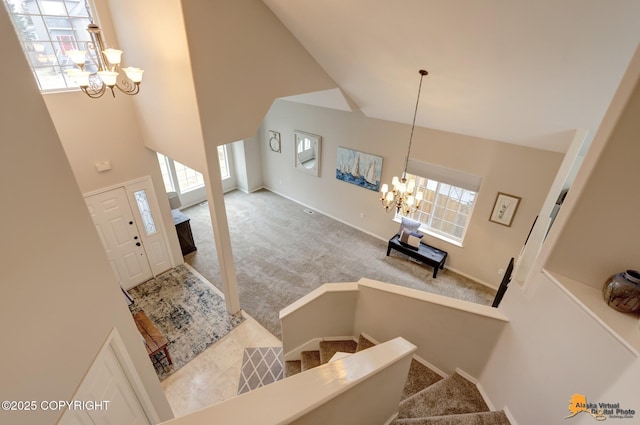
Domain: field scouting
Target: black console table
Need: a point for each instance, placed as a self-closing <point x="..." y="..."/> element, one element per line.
<point x="183" y="228"/>
<point x="424" y="253"/>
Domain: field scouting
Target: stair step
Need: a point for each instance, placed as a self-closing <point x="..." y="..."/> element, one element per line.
<point x="329" y="348"/>
<point x="309" y="359"/>
<point x="481" y="418"/>
<point x="292" y="367"/>
<point x="419" y="378"/>
<point x="450" y="396"/>
<point x="364" y="343"/>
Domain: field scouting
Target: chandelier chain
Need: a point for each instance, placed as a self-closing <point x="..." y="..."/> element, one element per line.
<point x="413" y="124"/>
<point x="403" y="196"/>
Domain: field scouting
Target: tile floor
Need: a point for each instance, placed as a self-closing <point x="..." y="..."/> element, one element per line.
<point x="214" y="374"/>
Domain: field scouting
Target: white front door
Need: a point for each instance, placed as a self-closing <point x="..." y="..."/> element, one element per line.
<point x="106" y="381"/>
<point x="120" y="237"/>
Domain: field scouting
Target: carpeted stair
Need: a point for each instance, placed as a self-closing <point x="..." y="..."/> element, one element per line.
<point x="427" y="398"/>
<point x="478" y="418"/>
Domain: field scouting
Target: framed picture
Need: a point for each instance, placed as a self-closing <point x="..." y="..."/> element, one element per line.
<point x="504" y="209"/>
<point x="361" y="169"/>
<point x="274" y="141"/>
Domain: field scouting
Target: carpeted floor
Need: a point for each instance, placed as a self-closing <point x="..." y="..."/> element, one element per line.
<point x="187" y="311"/>
<point x="282" y="253"/>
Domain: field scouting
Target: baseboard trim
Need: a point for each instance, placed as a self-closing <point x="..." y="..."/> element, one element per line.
<point x="391" y="419"/>
<point x="370" y="338"/>
<point x="340" y="338"/>
<point x="483" y="393"/>
<point x="475" y="279"/>
<point x="429" y="365"/>
<point x="311" y="345"/>
<point x="509" y="416"/>
<point x="415" y="357"/>
<point x="295" y="354"/>
<point x="326" y="214"/>
<point x="371" y="234"/>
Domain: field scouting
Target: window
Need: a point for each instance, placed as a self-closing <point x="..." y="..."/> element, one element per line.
<point x="178" y="177"/>
<point x="47" y="29"/>
<point x="165" y="169"/>
<point x="445" y="209"/>
<point x="449" y="197"/>
<point x="188" y="178"/>
<point x="224" y="162"/>
<point x="145" y="212"/>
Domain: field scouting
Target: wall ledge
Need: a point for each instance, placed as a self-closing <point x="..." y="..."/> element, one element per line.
<point x="624" y="327"/>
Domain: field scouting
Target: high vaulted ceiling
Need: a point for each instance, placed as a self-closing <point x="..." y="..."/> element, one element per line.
<point x="518" y="71"/>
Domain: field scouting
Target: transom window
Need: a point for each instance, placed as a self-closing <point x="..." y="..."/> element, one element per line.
<point x="47" y="29"/>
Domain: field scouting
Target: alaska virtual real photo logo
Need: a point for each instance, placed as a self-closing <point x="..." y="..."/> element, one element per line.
<point x="599" y="411"/>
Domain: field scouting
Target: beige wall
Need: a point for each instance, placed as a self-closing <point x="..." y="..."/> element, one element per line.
<point x="551" y="350"/>
<point x="106" y="129"/>
<point x="516" y="170"/>
<point x="601" y="236"/>
<point x="242" y="58"/>
<point x="59" y="298"/>
<point x="152" y="35"/>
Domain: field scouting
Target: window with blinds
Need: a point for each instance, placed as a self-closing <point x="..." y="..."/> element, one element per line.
<point x="448" y="199"/>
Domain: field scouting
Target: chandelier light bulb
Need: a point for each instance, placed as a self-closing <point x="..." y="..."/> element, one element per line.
<point x="109" y="78"/>
<point x="79" y="76"/>
<point x="77" y="56"/>
<point x="411" y="185"/>
<point x="114" y="56"/>
<point x="134" y="74"/>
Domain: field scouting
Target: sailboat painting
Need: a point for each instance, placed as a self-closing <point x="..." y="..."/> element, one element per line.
<point x="361" y="169"/>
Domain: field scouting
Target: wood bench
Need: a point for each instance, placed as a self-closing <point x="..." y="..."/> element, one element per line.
<point x="153" y="339"/>
<point x="424" y="253"/>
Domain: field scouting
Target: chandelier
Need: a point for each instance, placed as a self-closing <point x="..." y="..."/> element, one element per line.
<point x="105" y="64"/>
<point x="402" y="197"/>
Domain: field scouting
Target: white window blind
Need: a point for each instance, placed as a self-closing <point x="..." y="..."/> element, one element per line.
<point x="444" y="175"/>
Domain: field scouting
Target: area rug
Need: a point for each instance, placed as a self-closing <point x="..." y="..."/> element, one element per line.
<point x="187" y="311"/>
<point x="260" y="366"/>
